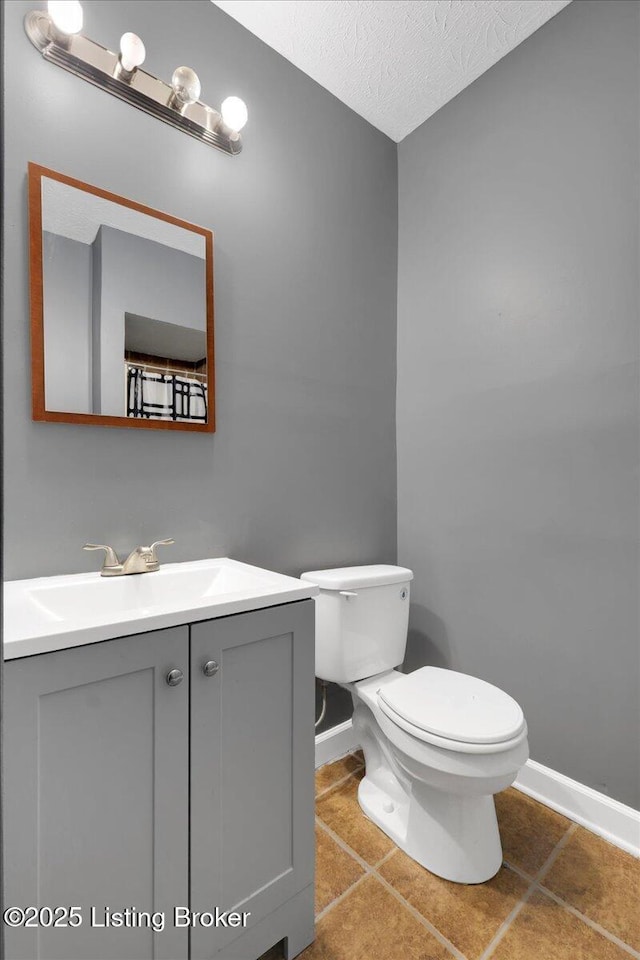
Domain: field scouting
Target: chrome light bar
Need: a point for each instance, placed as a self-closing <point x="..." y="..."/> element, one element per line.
<point x="105" y="69"/>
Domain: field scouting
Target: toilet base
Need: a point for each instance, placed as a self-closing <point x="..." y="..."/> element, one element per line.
<point x="456" y="837"/>
<point x="437" y="805"/>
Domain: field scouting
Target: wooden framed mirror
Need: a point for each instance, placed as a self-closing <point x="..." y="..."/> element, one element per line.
<point x="122" y="330"/>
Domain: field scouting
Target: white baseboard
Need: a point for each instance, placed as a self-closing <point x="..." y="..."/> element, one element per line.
<point x="334" y="743"/>
<point x="616" y="822"/>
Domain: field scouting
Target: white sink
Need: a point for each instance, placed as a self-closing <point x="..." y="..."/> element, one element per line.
<point x="51" y="613"/>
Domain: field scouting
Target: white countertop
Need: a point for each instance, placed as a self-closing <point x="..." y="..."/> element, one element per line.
<point x="54" y="613"/>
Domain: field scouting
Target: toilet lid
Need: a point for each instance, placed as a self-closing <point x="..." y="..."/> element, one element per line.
<point x="454" y="706"/>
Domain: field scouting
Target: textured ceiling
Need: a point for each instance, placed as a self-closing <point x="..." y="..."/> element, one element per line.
<point x="395" y="62"/>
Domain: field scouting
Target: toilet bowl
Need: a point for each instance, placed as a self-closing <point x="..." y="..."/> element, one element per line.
<point x="437" y="744"/>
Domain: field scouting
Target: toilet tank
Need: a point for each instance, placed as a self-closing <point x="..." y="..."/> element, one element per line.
<point x="362" y="615"/>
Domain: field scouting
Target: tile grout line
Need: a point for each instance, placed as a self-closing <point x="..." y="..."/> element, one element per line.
<point x="372" y="872"/>
<point x="506" y="923"/>
<point x="339" y="782"/>
<point x="555" y="853"/>
<point x="533" y="884"/>
<point x="587" y="920"/>
<point x="519" y="871"/>
<point x="342" y="896"/>
<point x="433" y="930"/>
<point x="386" y="857"/>
<point x="344" y="846"/>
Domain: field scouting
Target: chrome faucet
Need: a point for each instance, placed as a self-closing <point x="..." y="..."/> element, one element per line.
<point x="140" y="560"/>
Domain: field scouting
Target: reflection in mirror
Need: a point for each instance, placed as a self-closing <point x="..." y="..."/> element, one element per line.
<point x="166" y="369"/>
<point x="126" y="310"/>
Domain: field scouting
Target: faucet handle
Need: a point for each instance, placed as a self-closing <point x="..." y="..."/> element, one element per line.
<point x="111" y="559"/>
<point x="159" y="543"/>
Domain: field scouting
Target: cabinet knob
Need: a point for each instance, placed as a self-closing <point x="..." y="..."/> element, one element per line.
<point x="174" y="677"/>
<point x="210" y="668"/>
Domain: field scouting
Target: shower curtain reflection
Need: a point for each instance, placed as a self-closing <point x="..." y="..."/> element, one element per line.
<point x="165" y="394"/>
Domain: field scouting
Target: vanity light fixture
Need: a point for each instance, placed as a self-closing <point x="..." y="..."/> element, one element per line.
<point x="56" y="34"/>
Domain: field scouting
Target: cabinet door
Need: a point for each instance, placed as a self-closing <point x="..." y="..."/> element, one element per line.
<point x="96" y="795"/>
<point x="252" y="764"/>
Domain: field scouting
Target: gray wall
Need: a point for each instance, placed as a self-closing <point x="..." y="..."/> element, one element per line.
<point x="66" y="266"/>
<point x="301" y="471"/>
<point x="517" y="396"/>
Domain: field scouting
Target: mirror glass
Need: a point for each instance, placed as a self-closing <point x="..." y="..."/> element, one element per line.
<point x="126" y="313"/>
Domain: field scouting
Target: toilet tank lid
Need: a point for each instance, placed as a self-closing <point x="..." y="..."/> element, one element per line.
<point x="350" y="578"/>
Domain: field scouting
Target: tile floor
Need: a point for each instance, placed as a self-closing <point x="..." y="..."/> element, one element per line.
<point x="561" y="894"/>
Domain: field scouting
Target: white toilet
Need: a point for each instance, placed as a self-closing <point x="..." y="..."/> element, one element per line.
<point x="437" y="744"/>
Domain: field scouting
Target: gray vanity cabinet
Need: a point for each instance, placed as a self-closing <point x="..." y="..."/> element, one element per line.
<point x="123" y="790"/>
<point x="252" y="759"/>
<point x="96" y="794"/>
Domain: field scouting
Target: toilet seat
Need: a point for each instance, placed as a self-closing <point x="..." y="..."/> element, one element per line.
<point x="450" y="746"/>
<point x="453" y="710"/>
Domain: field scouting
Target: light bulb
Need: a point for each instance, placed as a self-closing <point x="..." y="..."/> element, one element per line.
<point x="186" y="85"/>
<point x="234" y="113"/>
<point x="66" y="15"/>
<point x="132" y="52"/>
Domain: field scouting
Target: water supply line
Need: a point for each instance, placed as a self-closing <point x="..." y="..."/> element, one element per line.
<point x="323" y="684"/>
